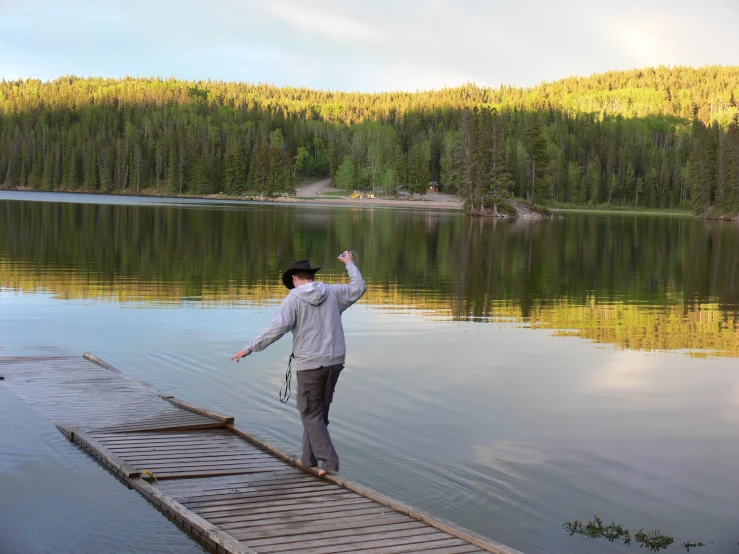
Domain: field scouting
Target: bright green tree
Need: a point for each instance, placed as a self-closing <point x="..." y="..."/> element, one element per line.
<point x="344" y="178"/>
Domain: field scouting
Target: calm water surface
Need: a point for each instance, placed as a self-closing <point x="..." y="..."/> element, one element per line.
<point x="506" y="376"/>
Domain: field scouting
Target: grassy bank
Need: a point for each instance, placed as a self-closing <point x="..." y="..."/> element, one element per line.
<point x="622" y="210"/>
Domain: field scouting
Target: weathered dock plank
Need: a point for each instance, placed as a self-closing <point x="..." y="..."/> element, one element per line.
<point x="231" y="490"/>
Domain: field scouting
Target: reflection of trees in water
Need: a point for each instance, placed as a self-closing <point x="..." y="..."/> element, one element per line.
<point x="639" y="282"/>
<point x="704" y="329"/>
<point x="630" y="259"/>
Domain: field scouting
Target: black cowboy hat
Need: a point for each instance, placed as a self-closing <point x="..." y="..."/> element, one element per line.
<point x="301" y="265"/>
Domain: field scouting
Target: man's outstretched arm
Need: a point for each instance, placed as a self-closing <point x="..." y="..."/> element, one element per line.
<point x="349" y="294"/>
<point x="283" y="322"/>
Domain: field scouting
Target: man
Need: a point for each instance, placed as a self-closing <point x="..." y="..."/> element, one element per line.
<point x="312" y="311"/>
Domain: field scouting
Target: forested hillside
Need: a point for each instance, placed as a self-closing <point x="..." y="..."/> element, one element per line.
<point x="659" y="138"/>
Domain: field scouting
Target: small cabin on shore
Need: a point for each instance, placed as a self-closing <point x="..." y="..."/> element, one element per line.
<point x="433" y="186"/>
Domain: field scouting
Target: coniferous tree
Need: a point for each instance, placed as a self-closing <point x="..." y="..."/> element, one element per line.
<point x="464" y="160"/>
<point x="171" y="170"/>
<point x="650" y="187"/>
<point x="495" y="181"/>
<point x="47" y="175"/>
<point x="537" y="159"/>
<point x="70" y="169"/>
<point x="199" y="179"/>
<point x="446" y="162"/>
<point x="731" y="156"/>
<point x="628" y="182"/>
<point x="702" y="167"/>
<point x="593" y="180"/>
<point x="91" y="167"/>
<point x="574" y="176"/>
<point x="419" y="173"/>
<point x="719" y="199"/>
<point x="259" y="168"/>
<point x="234" y="168"/>
<point x="106" y="167"/>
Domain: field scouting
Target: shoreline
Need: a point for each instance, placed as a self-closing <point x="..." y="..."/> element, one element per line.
<point x="347" y="202"/>
<point x="215" y="198"/>
<point x="616" y="211"/>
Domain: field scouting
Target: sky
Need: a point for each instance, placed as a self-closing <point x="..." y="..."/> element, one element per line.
<point x="369" y="45"/>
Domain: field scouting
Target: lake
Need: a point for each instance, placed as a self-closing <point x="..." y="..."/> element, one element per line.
<point x="507" y="376"/>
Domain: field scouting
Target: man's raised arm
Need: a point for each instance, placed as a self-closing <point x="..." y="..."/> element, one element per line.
<point x="349" y="294"/>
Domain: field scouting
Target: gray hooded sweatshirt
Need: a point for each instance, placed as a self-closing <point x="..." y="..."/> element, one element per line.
<point x="313" y="313"/>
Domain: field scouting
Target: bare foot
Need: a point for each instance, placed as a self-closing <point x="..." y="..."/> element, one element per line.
<point x="321" y="472"/>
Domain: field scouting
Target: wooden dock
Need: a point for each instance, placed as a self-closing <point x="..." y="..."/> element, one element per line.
<point x="230" y="490"/>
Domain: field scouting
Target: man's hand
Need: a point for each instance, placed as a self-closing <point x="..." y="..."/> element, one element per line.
<point x="240" y="354"/>
<point x="346" y="257"/>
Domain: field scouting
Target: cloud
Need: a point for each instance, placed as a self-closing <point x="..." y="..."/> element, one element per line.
<point x="646" y="42"/>
<point x="330" y="25"/>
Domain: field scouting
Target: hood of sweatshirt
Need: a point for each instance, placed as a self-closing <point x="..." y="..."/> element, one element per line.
<point x="313" y="293"/>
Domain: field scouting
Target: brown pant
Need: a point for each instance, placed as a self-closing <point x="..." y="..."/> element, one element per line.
<point x="315" y="393"/>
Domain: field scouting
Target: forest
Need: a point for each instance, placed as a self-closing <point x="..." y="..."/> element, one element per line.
<point x="665" y="137"/>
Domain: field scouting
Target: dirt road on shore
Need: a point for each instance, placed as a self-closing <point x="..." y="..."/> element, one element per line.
<point x="315" y="189"/>
<point x="368" y="202"/>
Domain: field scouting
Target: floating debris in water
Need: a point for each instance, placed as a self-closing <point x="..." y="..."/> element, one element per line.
<point x="653" y="540"/>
